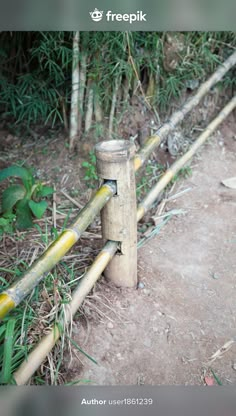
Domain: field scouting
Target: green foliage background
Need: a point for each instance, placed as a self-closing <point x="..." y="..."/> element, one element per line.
<point x="35" y="67"/>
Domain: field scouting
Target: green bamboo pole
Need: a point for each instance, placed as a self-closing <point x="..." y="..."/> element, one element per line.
<point x="40" y="352"/>
<point x="154" y="141"/>
<point x="11" y="297"/>
<point x="175" y="167"/>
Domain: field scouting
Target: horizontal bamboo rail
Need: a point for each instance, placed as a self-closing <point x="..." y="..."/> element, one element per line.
<point x="175" y="167"/>
<point x="11" y="297"/>
<point x="179" y="115"/>
<point x="40" y="352"/>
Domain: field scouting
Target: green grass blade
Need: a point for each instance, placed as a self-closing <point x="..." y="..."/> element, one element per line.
<point x="216" y="378"/>
<point x="7" y="352"/>
<point x="80" y="350"/>
<point x="80" y="381"/>
<point x="2" y="330"/>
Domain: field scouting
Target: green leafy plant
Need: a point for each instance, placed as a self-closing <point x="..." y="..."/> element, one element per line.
<point x="21" y="201"/>
<point x="90" y="173"/>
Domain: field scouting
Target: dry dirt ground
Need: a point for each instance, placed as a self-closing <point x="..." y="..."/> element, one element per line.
<point x="167" y="331"/>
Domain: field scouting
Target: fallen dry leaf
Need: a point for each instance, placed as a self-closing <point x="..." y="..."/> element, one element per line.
<point x="219" y="353"/>
<point x="230" y="183"/>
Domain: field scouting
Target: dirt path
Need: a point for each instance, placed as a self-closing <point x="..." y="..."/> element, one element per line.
<point x="165" y="332"/>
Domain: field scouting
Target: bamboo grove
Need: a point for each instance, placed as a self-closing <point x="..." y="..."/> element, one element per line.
<point x="84" y="79"/>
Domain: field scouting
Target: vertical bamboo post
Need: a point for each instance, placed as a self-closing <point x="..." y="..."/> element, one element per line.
<point x="115" y="160"/>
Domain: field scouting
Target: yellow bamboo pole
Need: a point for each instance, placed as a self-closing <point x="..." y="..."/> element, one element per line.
<point x="154" y="141"/>
<point x="40" y="352"/>
<point x="11" y="297"/>
<point x="176" y="166"/>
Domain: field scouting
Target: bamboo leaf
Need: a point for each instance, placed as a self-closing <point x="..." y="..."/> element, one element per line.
<point x="11" y="195"/>
<point x="7" y="352"/>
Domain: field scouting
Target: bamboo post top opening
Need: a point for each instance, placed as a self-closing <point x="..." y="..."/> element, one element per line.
<point x="115" y="150"/>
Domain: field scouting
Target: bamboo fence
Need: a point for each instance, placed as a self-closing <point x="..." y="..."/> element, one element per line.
<point x="19" y="290"/>
<point x="11" y="297"/>
<point x="40" y="352"/>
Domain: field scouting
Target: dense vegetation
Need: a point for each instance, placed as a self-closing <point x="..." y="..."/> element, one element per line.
<point x="36" y="67"/>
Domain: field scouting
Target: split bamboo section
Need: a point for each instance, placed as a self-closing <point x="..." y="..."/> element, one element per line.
<point x="171" y="172"/>
<point x="155" y="140"/>
<point x="40" y="352"/>
<point x="115" y="159"/>
<point x="11" y="297"/>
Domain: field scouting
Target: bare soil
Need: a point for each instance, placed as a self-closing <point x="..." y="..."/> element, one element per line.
<point x="166" y="332"/>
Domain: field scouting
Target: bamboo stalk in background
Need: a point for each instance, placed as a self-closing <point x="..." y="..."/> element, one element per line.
<point x="98" y="113"/>
<point x="75" y="92"/>
<point x="113" y="106"/>
<point x="40" y="352"/>
<point x="82" y="84"/>
<point x="89" y="110"/>
<point x="11" y="297"/>
<point x="179" y="115"/>
<point x="176" y="166"/>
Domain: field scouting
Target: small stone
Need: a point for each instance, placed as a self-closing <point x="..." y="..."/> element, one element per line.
<point x="147" y="292"/>
<point x="147" y="343"/>
<point x="110" y="325"/>
<point x="119" y="356"/>
<point x="141" y="285"/>
<point x="76" y="329"/>
<point x="234" y="366"/>
<point x="155" y="329"/>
